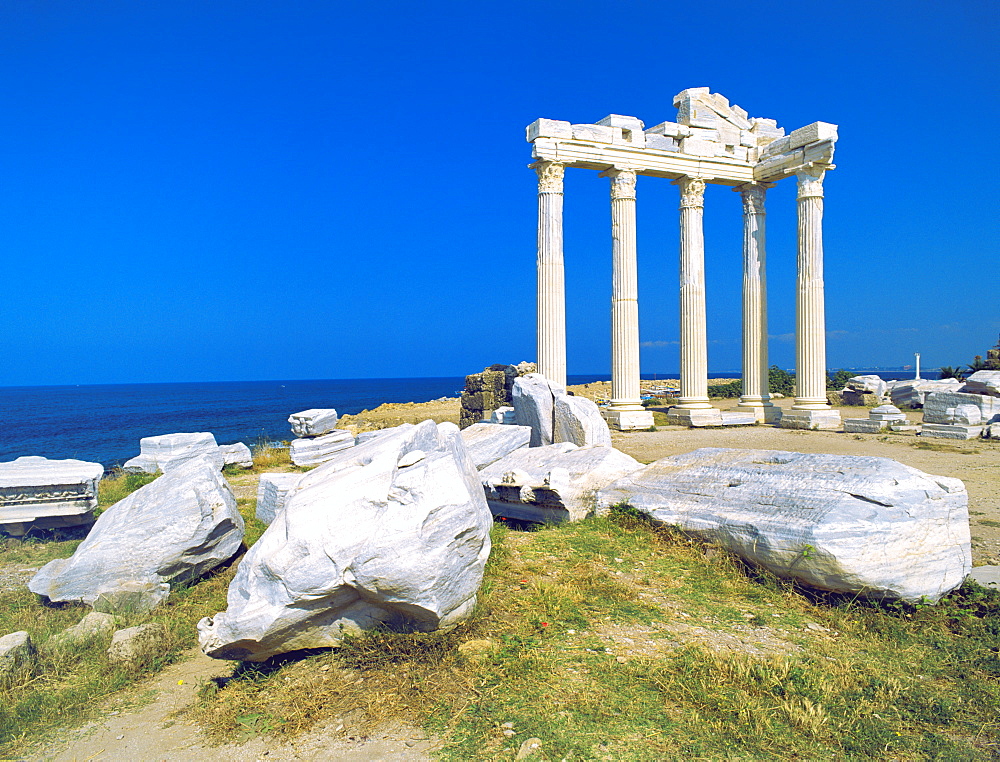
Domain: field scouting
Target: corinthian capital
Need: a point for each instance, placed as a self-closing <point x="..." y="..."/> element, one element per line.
<point x="811" y="182"/>
<point x="692" y="192"/>
<point x="622" y="183"/>
<point x="550" y="176"/>
<point x="753" y="198"/>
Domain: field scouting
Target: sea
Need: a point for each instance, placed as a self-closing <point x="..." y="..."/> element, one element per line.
<point x="104" y="423"/>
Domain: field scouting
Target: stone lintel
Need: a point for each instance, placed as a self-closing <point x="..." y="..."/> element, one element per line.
<point x="645" y="161"/>
<point x="775" y="168"/>
<point x="628" y="420"/>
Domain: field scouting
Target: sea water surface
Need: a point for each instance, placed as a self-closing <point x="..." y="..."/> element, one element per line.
<point x="104" y="423"/>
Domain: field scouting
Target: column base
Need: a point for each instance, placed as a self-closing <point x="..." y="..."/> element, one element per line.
<point x="767" y="413"/>
<point x="695" y="417"/>
<point x="825" y="420"/>
<point x="628" y="420"/>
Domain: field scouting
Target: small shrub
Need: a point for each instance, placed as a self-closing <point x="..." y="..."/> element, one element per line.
<point x="268" y="454"/>
<point x="120" y="485"/>
<point x="780" y="381"/>
<point x="727" y="391"/>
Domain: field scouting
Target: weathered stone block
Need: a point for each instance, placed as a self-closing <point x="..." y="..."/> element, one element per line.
<point x="951" y="431"/>
<point x="578" y="420"/>
<point x="163" y="453"/>
<point x="548" y="128"/>
<point x="237" y="454"/>
<point x="864" y="426"/>
<point x="488" y="442"/>
<point x="983" y="382"/>
<point x="534" y="400"/>
<point x="849" y="524"/>
<point x="273" y="491"/>
<point x="18" y="658"/>
<point x="953" y="407"/>
<point x="593" y="133"/>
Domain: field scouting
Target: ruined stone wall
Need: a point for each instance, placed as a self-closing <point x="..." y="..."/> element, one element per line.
<point x="486" y="391"/>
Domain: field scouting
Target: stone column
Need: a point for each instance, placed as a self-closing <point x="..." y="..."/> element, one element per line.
<point x="693" y="407"/>
<point x="755" y="397"/>
<point x="811" y="409"/>
<point x="551" y="305"/>
<point x="626" y="410"/>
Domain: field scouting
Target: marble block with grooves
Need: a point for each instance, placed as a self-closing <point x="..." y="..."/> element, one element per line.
<point x="36" y="491"/>
<point x="951" y="431"/>
<point x="864" y="426"/>
<point x="273" y="492"/>
<point x="316" y="450"/>
<point x="815" y="420"/>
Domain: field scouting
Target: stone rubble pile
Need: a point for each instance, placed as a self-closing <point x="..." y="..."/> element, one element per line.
<point x="318" y="440"/>
<point x="912" y="393"/>
<point x="172" y="530"/>
<point x="849" y="524"/>
<point x="961" y="414"/>
<point x="46" y="494"/>
<point x="489" y="390"/>
<point x="393" y="532"/>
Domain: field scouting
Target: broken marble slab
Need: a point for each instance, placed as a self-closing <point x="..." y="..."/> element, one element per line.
<point x="951" y="431"/>
<point x="46" y="494"/>
<point x="237" y="454"/>
<point x="533" y="397"/>
<point x="314" y="422"/>
<point x="887" y="413"/>
<point x="553" y="483"/>
<point x="578" y="420"/>
<point x="871" y="383"/>
<point x="392" y="533"/>
<point x="171" y="531"/>
<point x="273" y="491"/>
<point x="849" y="524"/>
<point x="913" y="393"/>
<point x="316" y="450"/>
<point x="488" y="442"/>
<point x="168" y="451"/>
<point x="983" y="382"/>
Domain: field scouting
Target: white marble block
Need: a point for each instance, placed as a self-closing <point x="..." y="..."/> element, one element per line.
<point x="170" y="531"/>
<point x="46" y="494"/>
<point x="488" y="442"/>
<point x="873" y="384"/>
<point x="913" y="393"/>
<point x="855" y="525"/>
<point x="864" y="425"/>
<point x="504" y="414"/>
<point x="951" y="431"/>
<point x="548" y="128"/>
<point x="983" y="382"/>
<point x="533" y="396"/>
<point x="578" y="420"/>
<point x="392" y="533"/>
<point x="554" y="483"/>
<point x="957" y="407"/>
<point x="815" y="420"/>
<point x="170" y="451"/>
<point x="313" y="423"/>
<point x="273" y="491"/>
<point x="315" y="450"/>
<point x="237" y="454"/>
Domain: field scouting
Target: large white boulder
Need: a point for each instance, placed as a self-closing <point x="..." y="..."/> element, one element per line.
<point x="983" y="382"/>
<point x="169" y="451"/>
<point x="844" y="523"/>
<point x="36" y="491"/>
<point x="273" y="491"/>
<point x="555" y="483"/>
<point x="578" y="420"/>
<point x="533" y="397"/>
<point x="488" y="442"/>
<point x="170" y="531"/>
<point x="316" y="450"/>
<point x="314" y="422"/>
<point x="956" y="408"/>
<point x="394" y="532"/>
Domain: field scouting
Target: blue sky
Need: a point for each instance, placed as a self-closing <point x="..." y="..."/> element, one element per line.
<point x="303" y="189"/>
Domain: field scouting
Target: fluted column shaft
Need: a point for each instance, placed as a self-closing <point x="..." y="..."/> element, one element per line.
<point x="810" y="318"/>
<point x="694" y="338"/>
<point x="625" y="394"/>
<point x="551" y="303"/>
<point x="755" y="368"/>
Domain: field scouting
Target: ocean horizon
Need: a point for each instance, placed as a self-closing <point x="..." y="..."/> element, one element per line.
<point x="103" y="423"/>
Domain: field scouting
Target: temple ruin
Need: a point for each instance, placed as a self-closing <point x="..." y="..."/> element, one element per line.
<point x="711" y="142"/>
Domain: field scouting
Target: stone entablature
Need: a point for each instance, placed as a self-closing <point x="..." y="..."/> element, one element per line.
<point x="712" y="141"/>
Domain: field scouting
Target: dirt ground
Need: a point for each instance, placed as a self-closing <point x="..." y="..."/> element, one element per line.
<point x="159" y="730"/>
